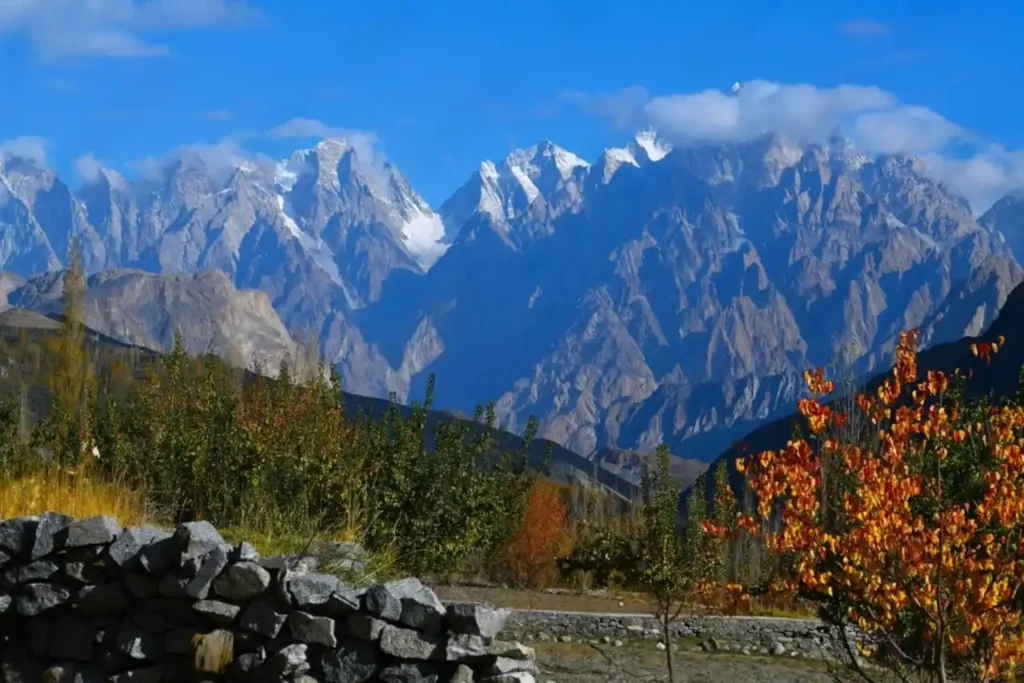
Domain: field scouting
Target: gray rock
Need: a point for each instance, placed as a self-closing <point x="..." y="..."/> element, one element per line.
<point x="408" y="602"/>
<point x="212" y="564"/>
<point x="506" y="665"/>
<point x="244" y="665"/>
<point x="314" y="630"/>
<point x="5" y="603"/>
<point x="363" y="627"/>
<point x="16" y="535"/>
<point x="40" y="570"/>
<point x="93" y="531"/>
<point x="74" y="639"/>
<point x="290" y="661"/>
<point x="178" y="641"/>
<point x="352" y="662"/>
<point x="160" y="556"/>
<point x="517" y="677"/>
<point x="141" y="586"/>
<point x="16" y="667"/>
<point x="196" y="539"/>
<point x="82" y="572"/>
<point x="463" y="674"/>
<point x="51" y="534"/>
<point x="36" y="598"/>
<point x="463" y="647"/>
<point x="242" y="581"/>
<point x="244" y="552"/>
<point x="127" y="550"/>
<point x="479" y="620"/>
<point x="321" y="593"/>
<point x="305" y="563"/>
<point x="5" y="559"/>
<point x="263" y="617"/>
<point x="138" y="644"/>
<point x="409" y="672"/>
<point x="217" y="612"/>
<point x="778" y="649"/>
<point x="404" y="643"/>
<point x="174" y="585"/>
<point x="106" y="599"/>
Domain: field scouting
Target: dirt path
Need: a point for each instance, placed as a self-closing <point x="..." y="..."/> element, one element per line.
<point x="641" y="662"/>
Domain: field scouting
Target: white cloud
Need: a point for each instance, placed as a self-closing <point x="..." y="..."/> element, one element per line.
<point x="25" y="147"/>
<point x="58" y="29"/>
<point x="871" y="117"/>
<point x="800" y="111"/>
<point x="219" y="160"/>
<point x="906" y="129"/>
<point x="89" y="169"/>
<point x="983" y="178"/>
<point x="299" y="127"/>
<point x="363" y="142"/>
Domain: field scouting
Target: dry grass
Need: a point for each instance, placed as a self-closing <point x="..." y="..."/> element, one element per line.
<point x="72" y="493"/>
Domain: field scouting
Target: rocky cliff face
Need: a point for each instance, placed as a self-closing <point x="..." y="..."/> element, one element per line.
<point x="149" y="310"/>
<point x="651" y="295"/>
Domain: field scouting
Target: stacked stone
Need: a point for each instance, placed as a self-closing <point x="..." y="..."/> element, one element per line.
<point x="84" y="601"/>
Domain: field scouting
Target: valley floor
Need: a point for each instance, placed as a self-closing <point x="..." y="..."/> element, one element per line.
<point x="641" y="662"/>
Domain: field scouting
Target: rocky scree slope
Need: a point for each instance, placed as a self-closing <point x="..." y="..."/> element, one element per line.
<point x="88" y="600"/>
<point x="654" y="295"/>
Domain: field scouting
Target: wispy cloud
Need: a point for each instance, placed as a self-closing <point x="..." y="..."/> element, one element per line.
<point x="26" y="147"/>
<point x="873" y="118"/>
<point x="865" y="29"/>
<point x="59" y="29"/>
<point x="90" y="169"/>
<point x="215" y="115"/>
<point x="300" y="127"/>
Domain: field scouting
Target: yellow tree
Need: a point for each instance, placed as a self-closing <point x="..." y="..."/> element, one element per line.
<point x="66" y="430"/>
<point x="924" y="556"/>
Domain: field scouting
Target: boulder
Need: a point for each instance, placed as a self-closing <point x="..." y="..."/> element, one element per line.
<point x="93" y="531"/>
<point x="407" y="602"/>
<point x="242" y="581"/>
<point x="477" y="620"/>
<point x="351" y="662"/>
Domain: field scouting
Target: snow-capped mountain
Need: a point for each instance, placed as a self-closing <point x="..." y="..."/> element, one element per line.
<point x="651" y="294"/>
<point x="522" y="195"/>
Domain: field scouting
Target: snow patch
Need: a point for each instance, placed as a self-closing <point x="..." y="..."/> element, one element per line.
<point x="566" y="162"/>
<point x="524" y="181"/>
<point x="614" y="158"/>
<point x="284" y="176"/>
<point x="423" y="234"/>
<point x="656" y="149"/>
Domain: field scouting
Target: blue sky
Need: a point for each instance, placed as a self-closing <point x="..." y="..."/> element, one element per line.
<point x="444" y="85"/>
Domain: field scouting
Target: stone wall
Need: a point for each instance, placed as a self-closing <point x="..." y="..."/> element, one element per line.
<point x="765" y="635"/>
<point x="87" y="601"/>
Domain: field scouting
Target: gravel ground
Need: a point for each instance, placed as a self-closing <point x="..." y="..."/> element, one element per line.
<point x="641" y="662"/>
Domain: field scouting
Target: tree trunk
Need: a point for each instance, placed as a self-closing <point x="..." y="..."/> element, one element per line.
<point x="668" y="646"/>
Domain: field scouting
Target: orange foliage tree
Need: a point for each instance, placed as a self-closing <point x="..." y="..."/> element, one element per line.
<point x="544" y="536"/>
<point x="920" y="546"/>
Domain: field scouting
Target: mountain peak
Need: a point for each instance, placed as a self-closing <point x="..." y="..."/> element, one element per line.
<point x="653" y="146"/>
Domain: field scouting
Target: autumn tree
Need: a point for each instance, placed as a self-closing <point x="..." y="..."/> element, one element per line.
<point x="544" y="536"/>
<point x="66" y="430"/>
<point x="923" y="551"/>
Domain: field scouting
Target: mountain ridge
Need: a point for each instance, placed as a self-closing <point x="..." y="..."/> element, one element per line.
<point x="656" y="294"/>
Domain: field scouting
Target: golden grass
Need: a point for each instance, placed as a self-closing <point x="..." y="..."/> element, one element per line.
<point x="71" y="493"/>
